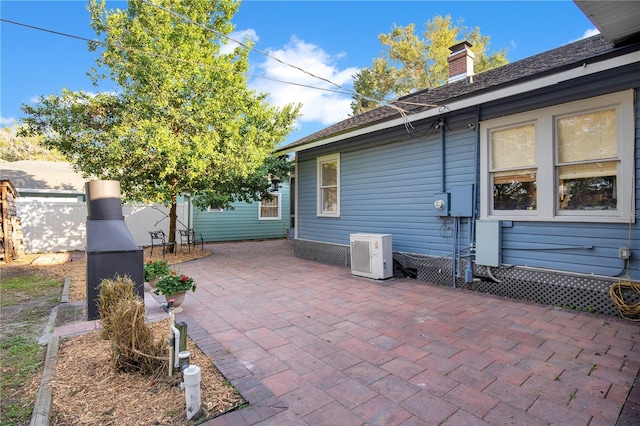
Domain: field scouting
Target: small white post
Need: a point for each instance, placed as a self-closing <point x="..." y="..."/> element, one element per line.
<point x="191" y="376"/>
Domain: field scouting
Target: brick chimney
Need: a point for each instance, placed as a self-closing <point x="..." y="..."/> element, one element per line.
<point x="460" y="61"/>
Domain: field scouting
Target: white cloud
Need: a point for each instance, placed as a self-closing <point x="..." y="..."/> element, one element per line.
<point x="240" y="36"/>
<point x="7" y="121"/>
<point x="590" y="32"/>
<point x="324" y="106"/>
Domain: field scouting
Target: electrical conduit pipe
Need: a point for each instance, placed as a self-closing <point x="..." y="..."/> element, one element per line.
<point x="468" y="275"/>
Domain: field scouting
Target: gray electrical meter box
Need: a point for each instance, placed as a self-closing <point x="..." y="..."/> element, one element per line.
<point x="441" y="203"/>
<point x="461" y="203"/>
<point x="488" y="245"/>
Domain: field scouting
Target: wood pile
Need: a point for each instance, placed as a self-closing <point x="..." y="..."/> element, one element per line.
<point x="11" y="241"/>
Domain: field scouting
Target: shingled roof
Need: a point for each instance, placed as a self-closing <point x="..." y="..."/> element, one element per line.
<point x="43" y="176"/>
<point x="535" y="66"/>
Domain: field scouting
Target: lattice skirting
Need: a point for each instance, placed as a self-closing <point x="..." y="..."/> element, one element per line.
<point x="330" y="254"/>
<point x="571" y="291"/>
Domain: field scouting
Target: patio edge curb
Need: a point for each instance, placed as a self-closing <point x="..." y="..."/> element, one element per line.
<point x="44" y="398"/>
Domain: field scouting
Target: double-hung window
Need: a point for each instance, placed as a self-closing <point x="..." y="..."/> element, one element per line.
<point x="513" y="167"/>
<point x="569" y="162"/>
<point x="588" y="161"/>
<point x="328" y="185"/>
<point x="269" y="209"/>
<point x="214" y="208"/>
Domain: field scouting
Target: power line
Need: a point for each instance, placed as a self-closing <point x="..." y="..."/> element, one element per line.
<point x="49" y="31"/>
<point x="352" y="92"/>
<point x="343" y="91"/>
<point x="219" y="34"/>
<point x="104" y="44"/>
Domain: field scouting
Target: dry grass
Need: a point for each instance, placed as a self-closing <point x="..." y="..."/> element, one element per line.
<point x="133" y="346"/>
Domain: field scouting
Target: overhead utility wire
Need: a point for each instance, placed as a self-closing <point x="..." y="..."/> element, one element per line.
<point x="352" y="92"/>
<point x="219" y="34"/>
<point x="344" y="91"/>
<point x="48" y="31"/>
<point x="104" y="44"/>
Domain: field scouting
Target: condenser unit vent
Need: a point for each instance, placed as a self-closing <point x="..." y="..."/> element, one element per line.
<point x="371" y="255"/>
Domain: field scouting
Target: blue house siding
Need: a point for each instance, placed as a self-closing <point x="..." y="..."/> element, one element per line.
<point x="589" y="249"/>
<point x="388" y="187"/>
<point x="393" y="167"/>
<point x="242" y="222"/>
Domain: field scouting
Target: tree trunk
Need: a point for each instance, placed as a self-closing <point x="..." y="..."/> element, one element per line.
<point x="173" y="216"/>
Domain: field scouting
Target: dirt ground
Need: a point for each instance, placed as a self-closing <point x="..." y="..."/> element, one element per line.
<point x="86" y="391"/>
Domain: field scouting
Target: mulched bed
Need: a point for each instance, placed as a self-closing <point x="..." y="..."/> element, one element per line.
<point x="87" y="390"/>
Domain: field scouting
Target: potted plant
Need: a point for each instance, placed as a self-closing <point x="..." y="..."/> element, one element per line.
<point x="174" y="286"/>
<point x="154" y="270"/>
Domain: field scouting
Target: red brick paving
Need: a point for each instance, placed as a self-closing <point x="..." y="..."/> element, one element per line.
<point x="329" y="348"/>
<point x="311" y="344"/>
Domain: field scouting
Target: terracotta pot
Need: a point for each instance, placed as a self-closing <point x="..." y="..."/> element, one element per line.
<point x="153" y="282"/>
<point x="177" y="297"/>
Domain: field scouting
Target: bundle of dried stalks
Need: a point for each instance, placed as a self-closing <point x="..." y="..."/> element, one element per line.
<point x="133" y="348"/>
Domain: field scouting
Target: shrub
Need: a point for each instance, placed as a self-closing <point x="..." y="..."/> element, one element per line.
<point x="156" y="269"/>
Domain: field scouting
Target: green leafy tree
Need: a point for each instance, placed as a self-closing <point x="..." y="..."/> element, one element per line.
<point x="15" y="148"/>
<point x="182" y="120"/>
<point x="410" y="62"/>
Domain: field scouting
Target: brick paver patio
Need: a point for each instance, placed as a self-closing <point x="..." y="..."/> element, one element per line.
<point x="310" y="344"/>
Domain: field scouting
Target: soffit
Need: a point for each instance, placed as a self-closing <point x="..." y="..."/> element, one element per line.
<point x="617" y="21"/>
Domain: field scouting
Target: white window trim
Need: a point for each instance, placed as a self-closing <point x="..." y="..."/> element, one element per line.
<point x="319" y="161"/>
<point x="277" y="195"/>
<point x="544" y="120"/>
<point x="210" y="210"/>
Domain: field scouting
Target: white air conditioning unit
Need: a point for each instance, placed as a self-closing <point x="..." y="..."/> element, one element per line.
<point x="371" y="255"/>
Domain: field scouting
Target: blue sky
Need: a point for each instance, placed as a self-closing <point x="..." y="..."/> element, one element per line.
<point x="330" y="39"/>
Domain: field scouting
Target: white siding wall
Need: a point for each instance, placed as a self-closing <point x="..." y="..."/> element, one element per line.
<point x="61" y="226"/>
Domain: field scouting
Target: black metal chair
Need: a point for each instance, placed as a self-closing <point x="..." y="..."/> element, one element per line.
<point x="160" y="239"/>
<point x="188" y="238"/>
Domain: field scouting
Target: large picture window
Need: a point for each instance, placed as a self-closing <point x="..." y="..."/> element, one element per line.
<point x="569" y="162"/>
<point x="329" y="185"/>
